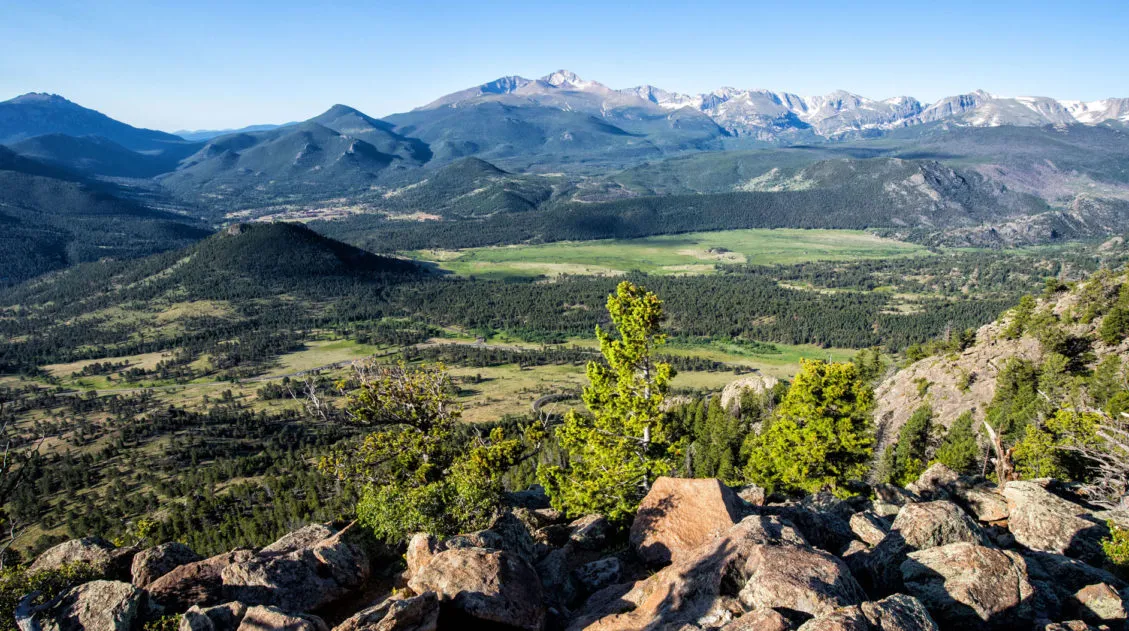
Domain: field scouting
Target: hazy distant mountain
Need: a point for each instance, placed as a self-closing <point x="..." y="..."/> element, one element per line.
<point x="37" y="114"/>
<point x="95" y="155"/>
<point x="309" y="158"/>
<point x="207" y="134"/>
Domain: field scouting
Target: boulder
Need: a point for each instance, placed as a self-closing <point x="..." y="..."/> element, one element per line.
<point x="760" y="620"/>
<point x="100" y="554"/>
<point x="261" y="618"/>
<point x="699" y="589"/>
<point x="889" y="499"/>
<point x="557" y="583"/>
<point x="869" y="527"/>
<point x="932" y="524"/>
<point x="936" y="482"/>
<point x="1100" y="603"/>
<point x="823" y="520"/>
<point x="985" y="503"/>
<point x="1045" y="522"/>
<point x="899" y="612"/>
<point x="149" y="565"/>
<point x="1070" y="625"/>
<point x="752" y="495"/>
<point x="797" y="578"/>
<point x="590" y="532"/>
<point x="301" y="579"/>
<point x="966" y="584"/>
<point x="415" y="613"/>
<point x="917" y="527"/>
<point x="421" y="548"/>
<point x="484" y="586"/>
<point x="198" y="583"/>
<point x="844" y="619"/>
<point x="594" y="576"/>
<point x="95" y="606"/>
<point x="679" y="514"/>
<point x="225" y="617"/>
<point x="304" y="537"/>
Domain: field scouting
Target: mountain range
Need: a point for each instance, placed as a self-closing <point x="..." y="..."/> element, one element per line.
<point x="562" y="157"/>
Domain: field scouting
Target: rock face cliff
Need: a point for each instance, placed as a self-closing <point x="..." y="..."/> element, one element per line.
<point x="946" y="553"/>
<point x="952" y="383"/>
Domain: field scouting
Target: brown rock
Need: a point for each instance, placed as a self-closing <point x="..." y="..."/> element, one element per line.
<point x="869" y="527"/>
<point x="899" y="612"/>
<point x="421" y="548"/>
<point x="844" y="619"/>
<point x="95" y="606"/>
<point x="1045" y="522"/>
<point x="1100" y="603"/>
<point x="967" y="584"/>
<point x="936" y="482"/>
<point x="700" y="589"/>
<point x="96" y="552"/>
<point x="416" y="613"/>
<point x="760" y="620"/>
<point x="262" y="618"/>
<point x="797" y="578"/>
<point x="987" y="504"/>
<point x="678" y="515"/>
<point x="196" y="583"/>
<point x="344" y="557"/>
<point x="304" y="537"/>
<point x="491" y="586"/>
<point x="594" y="576"/>
<point x="932" y="524"/>
<point x="151" y="564"/>
<point x="752" y="495"/>
<point x="590" y="532"/>
<point x="218" y="618"/>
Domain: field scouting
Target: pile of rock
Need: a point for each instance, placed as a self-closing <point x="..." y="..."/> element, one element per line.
<point x="947" y="552"/>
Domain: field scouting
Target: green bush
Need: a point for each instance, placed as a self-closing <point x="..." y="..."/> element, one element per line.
<point x="1116" y="548"/>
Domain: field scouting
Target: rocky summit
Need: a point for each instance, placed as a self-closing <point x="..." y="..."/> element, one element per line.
<point x="725" y="565"/>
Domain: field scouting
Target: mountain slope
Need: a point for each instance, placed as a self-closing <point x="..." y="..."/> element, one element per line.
<point x="53" y="219"/>
<point x="94" y="155"/>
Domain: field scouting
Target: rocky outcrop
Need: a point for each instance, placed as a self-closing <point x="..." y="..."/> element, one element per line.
<point x="225" y="617"/>
<point x="1100" y="604"/>
<point x="1045" y="522"/>
<point x="932" y="524"/>
<point x="261" y="618"/>
<point x="102" y="556"/>
<point x="679" y="515"/>
<point x="589" y="532"/>
<point x="936" y="482"/>
<point x="757" y="384"/>
<point x="299" y="571"/>
<point x="413" y="613"/>
<point x="95" y="606"/>
<point x="484" y="586"/>
<point x="198" y="583"/>
<point x="869" y="528"/>
<point x="151" y="564"/>
<point x="967" y="584"/>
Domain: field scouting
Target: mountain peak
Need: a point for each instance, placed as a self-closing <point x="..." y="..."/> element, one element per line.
<point x="39" y="97"/>
<point x="567" y="79"/>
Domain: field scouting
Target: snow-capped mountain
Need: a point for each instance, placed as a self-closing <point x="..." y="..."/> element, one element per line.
<point x="768" y="115"/>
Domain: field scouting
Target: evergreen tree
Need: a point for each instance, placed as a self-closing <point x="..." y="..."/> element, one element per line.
<point x="820" y="436"/>
<point x="906" y="459"/>
<point x="625" y="443"/>
<point x="959" y="450"/>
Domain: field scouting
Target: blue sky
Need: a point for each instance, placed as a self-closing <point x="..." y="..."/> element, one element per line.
<point x="188" y="64"/>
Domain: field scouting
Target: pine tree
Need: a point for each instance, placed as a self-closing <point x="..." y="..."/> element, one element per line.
<point x="959" y="450"/>
<point x="906" y="459"/>
<point x="820" y="435"/>
<point x="617" y="450"/>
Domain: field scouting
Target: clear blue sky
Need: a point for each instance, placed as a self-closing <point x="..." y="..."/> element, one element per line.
<point x="202" y="64"/>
